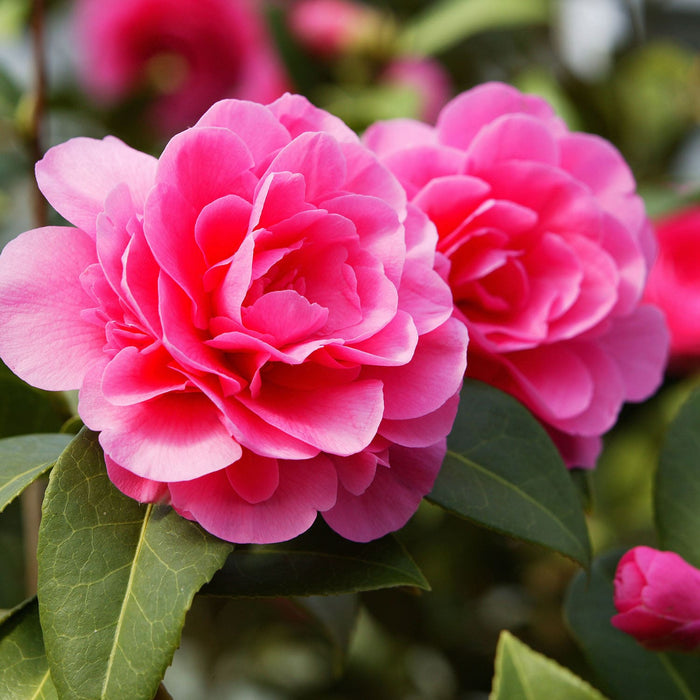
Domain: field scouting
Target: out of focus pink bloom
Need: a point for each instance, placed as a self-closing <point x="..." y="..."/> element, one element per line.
<point x="549" y="246"/>
<point x="190" y="52"/>
<point x="657" y="596"/>
<point x="674" y="283"/>
<point x="427" y="78"/>
<point x="331" y="27"/>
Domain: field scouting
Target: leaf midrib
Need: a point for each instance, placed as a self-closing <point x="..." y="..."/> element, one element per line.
<point x="126" y="600"/>
<point x="509" y="485"/>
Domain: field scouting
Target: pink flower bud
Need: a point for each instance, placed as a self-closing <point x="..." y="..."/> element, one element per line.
<point x="657" y="596"/>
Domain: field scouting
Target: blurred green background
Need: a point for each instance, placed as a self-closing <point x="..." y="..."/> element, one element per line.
<point x="629" y="71"/>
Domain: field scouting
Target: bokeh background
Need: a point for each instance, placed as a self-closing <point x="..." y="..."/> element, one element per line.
<point x="627" y="70"/>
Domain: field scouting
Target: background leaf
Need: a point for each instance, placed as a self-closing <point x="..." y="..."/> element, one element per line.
<point x="625" y="669"/>
<point x="522" y="673"/>
<point x="24" y="670"/>
<point x="24" y="458"/>
<point x="503" y="471"/>
<point x="677" y="489"/>
<point x="115" y="580"/>
<point x="319" y="562"/>
<point x="446" y="23"/>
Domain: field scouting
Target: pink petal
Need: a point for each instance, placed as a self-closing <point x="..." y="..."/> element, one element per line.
<point x="221" y="227"/>
<point x="299" y="116"/>
<point x="133" y="376"/>
<point x="305" y="487"/>
<point x="639" y="343"/>
<point x="431" y="378"/>
<point x="340" y="420"/>
<point x="513" y="137"/>
<point x="172" y="437"/>
<point x="463" y="117"/>
<point x="136" y="487"/>
<point x="254" y="478"/>
<point x="43" y="338"/>
<point x="253" y="123"/>
<point x="356" y="472"/>
<point x="285" y="315"/>
<point x="279" y="196"/>
<point x="425" y="295"/>
<point x="205" y="163"/>
<point x="391" y="499"/>
<point x="423" y="431"/>
<point x="318" y="158"/>
<point x="386" y="137"/>
<point x="76" y="177"/>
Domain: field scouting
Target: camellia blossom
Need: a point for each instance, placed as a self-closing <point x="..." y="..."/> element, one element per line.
<point x="674" y="283"/>
<point x="190" y="53"/>
<point x="549" y="247"/>
<point x="254" y="320"/>
<point x="657" y="596"/>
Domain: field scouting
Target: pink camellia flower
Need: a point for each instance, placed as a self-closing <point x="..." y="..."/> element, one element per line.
<point x="254" y="321"/>
<point x="657" y="596"/>
<point x="549" y="248"/>
<point x="674" y="283"/>
<point x="190" y="52"/>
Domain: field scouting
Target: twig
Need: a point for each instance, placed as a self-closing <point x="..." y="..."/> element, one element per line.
<point x="34" y="494"/>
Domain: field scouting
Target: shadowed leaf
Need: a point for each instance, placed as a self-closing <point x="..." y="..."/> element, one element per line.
<point x="502" y="471"/>
<point x="319" y="562"/>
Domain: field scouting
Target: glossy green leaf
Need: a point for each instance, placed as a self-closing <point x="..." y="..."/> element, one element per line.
<point x="319" y="562"/>
<point x="677" y="489"/>
<point x="444" y="24"/>
<point x="24" y="458"/>
<point x="24" y="670"/>
<point x="625" y="669"/>
<point x="524" y="674"/>
<point x="502" y="471"/>
<point x="115" y="580"/>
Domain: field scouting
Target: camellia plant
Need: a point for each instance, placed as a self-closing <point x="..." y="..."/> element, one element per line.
<point x="265" y="362"/>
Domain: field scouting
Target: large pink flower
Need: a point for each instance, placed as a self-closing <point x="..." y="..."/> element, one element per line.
<point x="253" y="320"/>
<point x="657" y="596"/>
<point x="193" y="52"/>
<point x="674" y="283"/>
<point x="550" y="248"/>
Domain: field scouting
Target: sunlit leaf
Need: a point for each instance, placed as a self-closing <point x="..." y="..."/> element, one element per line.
<point x="502" y="471"/>
<point x="524" y="674"/>
<point x="677" y="489"/>
<point x="115" y="580"/>
<point x="446" y="23"/>
<point x="24" y="458"/>
<point x="24" y="671"/>
<point x="625" y="669"/>
<point x="319" y="562"/>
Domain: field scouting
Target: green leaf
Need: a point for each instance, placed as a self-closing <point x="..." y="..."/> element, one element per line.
<point x="446" y="23"/>
<point x="502" y="471"/>
<point x="524" y="674"/>
<point x="625" y="669"/>
<point x="319" y="562"/>
<point x="115" y="580"/>
<point x="677" y="488"/>
<point x="24" y="458"/>
<point x="24" y="671"/>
